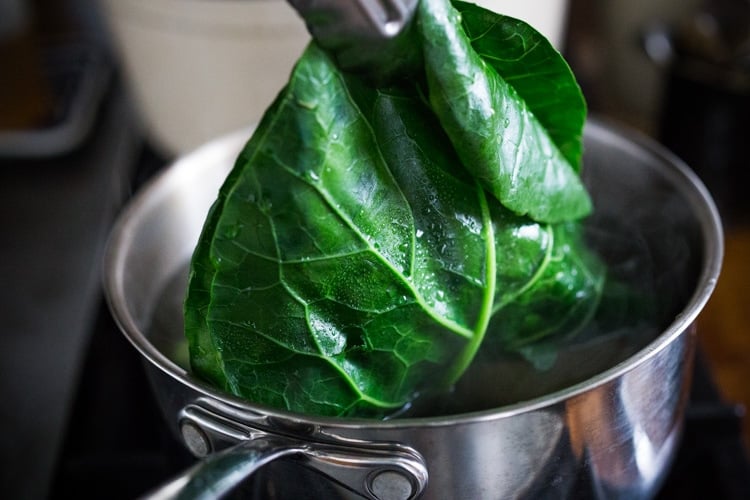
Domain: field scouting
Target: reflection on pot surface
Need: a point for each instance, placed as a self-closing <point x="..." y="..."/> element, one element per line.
<point x="600" y="421"/>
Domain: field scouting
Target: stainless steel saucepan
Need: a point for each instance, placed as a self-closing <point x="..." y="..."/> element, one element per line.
<point x="605" y="425"/>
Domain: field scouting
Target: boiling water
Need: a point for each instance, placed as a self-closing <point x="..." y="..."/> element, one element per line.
<point x="654" y="267"/>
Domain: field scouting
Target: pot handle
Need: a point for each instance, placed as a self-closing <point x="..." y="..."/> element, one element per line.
<point x="378" y="471"/>
<point x="216" y="475"/>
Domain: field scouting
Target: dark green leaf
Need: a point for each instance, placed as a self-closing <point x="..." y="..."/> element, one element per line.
<point x="353" y="260"/>
<point x="535" y="69"/>
<point x="494" y="130"/>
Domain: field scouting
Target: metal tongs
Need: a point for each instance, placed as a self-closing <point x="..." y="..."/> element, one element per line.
<point x="333" y="21"/>
<point x="359" y="33"/>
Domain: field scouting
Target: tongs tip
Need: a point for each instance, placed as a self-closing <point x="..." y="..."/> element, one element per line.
<point x="357" y="19"/>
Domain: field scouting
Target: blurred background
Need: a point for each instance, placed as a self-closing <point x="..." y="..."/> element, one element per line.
<point x="98" y="95"/>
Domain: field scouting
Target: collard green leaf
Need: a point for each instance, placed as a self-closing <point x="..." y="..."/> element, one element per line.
<point x="333" y="289"/>
<point x="535" y="69"/>
<point x="354" y="261"/>
<point x="497" y="135"/>
<point x="559" y="298"/>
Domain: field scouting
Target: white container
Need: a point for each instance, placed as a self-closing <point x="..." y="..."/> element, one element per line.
<point x="199" y="69"/>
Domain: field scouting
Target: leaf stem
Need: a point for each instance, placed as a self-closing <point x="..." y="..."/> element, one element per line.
<point x="485" y="313"/>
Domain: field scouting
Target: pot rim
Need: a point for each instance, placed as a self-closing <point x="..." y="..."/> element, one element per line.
<point x="612" y="134"/>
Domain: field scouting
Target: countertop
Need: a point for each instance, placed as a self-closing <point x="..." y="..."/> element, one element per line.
<point x="723" y="328"/>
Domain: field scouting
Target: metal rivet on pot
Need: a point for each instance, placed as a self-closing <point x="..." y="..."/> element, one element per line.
<point x="390" y="484"/>
<point x="195" y="439"/>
